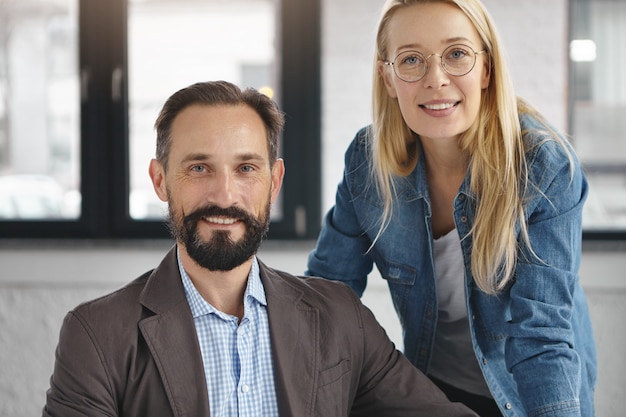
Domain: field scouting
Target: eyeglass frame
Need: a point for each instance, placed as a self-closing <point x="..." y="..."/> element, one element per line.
<point x="427" y="58"/>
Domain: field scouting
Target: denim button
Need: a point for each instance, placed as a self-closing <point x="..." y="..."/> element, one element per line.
<point x="508" y="406"/>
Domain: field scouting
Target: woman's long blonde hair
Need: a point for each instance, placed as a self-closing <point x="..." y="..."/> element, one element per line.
<point x="494" y="144"/>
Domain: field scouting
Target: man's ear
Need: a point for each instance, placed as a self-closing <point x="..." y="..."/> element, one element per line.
<point x="278" y="173"/>
<point x="157" y="175"/>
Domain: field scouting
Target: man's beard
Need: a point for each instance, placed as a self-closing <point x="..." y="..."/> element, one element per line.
<point x="220" y="252"/>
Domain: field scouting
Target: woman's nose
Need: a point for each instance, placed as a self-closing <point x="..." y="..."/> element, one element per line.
<point x="435" y="76"/>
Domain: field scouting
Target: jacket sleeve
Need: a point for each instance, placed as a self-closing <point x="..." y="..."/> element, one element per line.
<point x="341" y="250"/>
<point x="389" y="385"/>
<point x="546" y="295"/>
<point x="79" y="385"/>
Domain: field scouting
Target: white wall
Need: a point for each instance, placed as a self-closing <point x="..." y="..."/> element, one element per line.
<point x="40" y="282"/>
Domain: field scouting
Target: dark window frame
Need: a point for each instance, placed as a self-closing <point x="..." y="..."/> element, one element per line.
<point x="104" y="130"/>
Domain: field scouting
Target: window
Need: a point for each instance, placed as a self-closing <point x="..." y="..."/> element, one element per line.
<point x="597" y="108"/>
<point x="81" y="83"/>
<point x="39" y="100"/>
<point x="190" y="56"/>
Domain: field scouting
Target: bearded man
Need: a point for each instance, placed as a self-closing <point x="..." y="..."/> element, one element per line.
<point x="212" y="331"/>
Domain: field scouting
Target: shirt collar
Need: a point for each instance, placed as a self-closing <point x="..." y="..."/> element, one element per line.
<point x="200" y="307"/>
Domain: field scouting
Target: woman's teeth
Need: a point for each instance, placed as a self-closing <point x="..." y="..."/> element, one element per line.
<point x="439" y="106"/>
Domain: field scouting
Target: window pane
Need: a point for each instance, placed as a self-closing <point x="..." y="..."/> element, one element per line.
<point x="598" y="92"/>
<point x="39" y="110"/>
<point x="212" y="40"/>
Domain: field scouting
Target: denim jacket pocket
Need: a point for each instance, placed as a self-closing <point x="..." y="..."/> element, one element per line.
<point x="400" y="278"/>
<point x="393" y="272"/>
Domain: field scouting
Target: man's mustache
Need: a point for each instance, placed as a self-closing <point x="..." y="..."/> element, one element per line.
<point x="215" y="211"/>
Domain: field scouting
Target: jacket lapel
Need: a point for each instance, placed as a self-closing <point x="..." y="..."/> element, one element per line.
<point x="171" y="337"/>
<point x="294" y="332"/>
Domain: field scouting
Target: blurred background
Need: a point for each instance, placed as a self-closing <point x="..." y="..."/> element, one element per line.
<point x="81" y="83"/>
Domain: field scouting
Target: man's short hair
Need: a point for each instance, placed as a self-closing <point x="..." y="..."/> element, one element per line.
<point x="215" y="93"/>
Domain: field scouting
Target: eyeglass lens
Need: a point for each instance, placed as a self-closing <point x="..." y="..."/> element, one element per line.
<point x="456" y="60"/>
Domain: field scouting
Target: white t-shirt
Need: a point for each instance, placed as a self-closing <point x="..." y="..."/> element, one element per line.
<point x="453" y="360"/>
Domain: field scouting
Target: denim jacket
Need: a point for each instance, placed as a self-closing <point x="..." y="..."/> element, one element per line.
<point x="533" y="341"/>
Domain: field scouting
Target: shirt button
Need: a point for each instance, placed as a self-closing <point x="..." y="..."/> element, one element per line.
<point x="508" y="406"/>
<point x="484" y="361"/>
<point x="464" y="219"/>
<point x="245" y="388"/>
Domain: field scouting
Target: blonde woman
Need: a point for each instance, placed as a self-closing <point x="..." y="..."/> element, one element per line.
<point x="470" y="205"/>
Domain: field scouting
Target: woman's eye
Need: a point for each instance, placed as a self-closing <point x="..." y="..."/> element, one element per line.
<point x="458" y="54"/>
<point x="411" y="60"/>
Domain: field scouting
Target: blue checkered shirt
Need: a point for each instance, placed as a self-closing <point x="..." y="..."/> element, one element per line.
<point x="237" y="357"/>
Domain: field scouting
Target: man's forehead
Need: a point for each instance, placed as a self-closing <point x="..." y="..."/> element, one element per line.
<point x="207" y="131"/>
<point x="223" y="112"/>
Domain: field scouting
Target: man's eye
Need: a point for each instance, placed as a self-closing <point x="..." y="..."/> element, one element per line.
<point x="197" y="168"/>
<point x="247" y="168"/>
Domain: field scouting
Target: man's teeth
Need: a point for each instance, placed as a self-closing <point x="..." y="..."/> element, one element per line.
<point x="439" y="106"/>
<point x="220" y="220"/>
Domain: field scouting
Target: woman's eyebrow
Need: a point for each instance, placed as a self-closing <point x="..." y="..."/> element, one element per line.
<point x="418" y="46"/>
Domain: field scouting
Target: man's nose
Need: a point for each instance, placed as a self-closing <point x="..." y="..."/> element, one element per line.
<point x="223" y="189"/>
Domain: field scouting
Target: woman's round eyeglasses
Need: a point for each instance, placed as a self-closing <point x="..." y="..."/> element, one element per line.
<point x="457" y="60"/>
